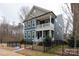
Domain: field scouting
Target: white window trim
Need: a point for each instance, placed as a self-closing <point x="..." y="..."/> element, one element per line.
<point x="29" y="23"/>
<point x="29" y="34"/>
<point x="33" y="22"/>
<point x="33" y="34"/>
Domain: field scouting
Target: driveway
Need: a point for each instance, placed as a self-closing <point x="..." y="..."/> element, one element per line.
<point x="4" y="52"/>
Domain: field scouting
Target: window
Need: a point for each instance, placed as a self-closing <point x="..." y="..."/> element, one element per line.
<point x="29" y="24"/>
<point x="53" y="20"/>
<point x="29" y="34"/>
<point x="33" y="34"/>
<point x="33" y="23"/>
<point x="25" y="34"/>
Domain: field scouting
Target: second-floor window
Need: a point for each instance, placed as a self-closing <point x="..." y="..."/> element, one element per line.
<point x="33" y="23"/>
<point x="52" y="21"/>
<point x="29" y="34"/>
<point x="29" y="24"/>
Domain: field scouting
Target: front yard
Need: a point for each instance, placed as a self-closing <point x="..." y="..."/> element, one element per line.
<point x="54" y="51"/>
<point x="29" y="52"/>
<point x="26" y="52"/>
<point x="37" y="50"/>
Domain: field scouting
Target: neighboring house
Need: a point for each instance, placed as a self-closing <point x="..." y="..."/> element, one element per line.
<point x="38" y="24"/>
<point x="59" y="28"/>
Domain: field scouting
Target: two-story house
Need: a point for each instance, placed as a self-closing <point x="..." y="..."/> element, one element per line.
<point x="38" y="24"/>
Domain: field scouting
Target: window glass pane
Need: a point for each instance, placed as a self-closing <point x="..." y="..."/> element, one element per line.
<point x="29" y="34"/>
<point x="33" y="33"/>
<point x="25" y="34"/>
<point x="52" y="20"/>
<point x="33" y="23"/>
<point x="29" y="24"/>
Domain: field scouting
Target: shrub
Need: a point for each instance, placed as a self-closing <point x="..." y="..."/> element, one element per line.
<point x="47" y="41"/>
<point x="23" y="42"/>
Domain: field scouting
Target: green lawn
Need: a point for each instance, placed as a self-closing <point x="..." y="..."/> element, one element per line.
<point x="56" y="49"/>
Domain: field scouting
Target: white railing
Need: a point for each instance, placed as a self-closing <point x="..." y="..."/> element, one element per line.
<point x="38" y="40"/>
<point x="45" y="25"/>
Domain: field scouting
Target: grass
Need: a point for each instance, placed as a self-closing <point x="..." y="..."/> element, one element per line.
<point x="56" y="49"/>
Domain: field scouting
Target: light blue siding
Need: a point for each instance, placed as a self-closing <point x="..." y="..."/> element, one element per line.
<point x="29" y="29"/>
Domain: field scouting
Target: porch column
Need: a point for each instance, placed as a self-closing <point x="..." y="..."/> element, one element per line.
<point x="42" y="34"/>
<point x="50" y="28"/>
<point x="50" y="19"/>
<point x="35" y="37"/>
<point x="50" y="33"/>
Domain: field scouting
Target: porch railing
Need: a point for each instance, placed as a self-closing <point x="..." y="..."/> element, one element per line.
<point x="45" y="25"/>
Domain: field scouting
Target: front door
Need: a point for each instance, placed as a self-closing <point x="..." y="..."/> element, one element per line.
<point x="39" y="34"/>
<point x="46" y="33"/>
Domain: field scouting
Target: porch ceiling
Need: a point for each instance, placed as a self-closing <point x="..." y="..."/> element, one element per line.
<point x="43" y="16"/>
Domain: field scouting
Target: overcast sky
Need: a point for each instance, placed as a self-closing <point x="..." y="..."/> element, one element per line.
<point x="11" y="10"/>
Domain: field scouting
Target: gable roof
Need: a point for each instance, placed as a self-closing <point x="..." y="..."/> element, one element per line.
<point x="36" y="11"/>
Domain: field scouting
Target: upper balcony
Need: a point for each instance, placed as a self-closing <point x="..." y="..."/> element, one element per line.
<point x="43" y="22"/>
<point x="45" y="26"/>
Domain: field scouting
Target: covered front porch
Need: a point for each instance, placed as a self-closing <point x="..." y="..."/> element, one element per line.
<point x="40" y="35"/>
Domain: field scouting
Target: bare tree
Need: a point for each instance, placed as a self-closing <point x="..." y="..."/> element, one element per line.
<point x="68" y="19"/>
<point x="23" y="13"/>
<point x="3" y="28"/>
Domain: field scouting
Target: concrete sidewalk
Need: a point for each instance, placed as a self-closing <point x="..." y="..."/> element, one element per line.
<point x="4" y="52"/>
